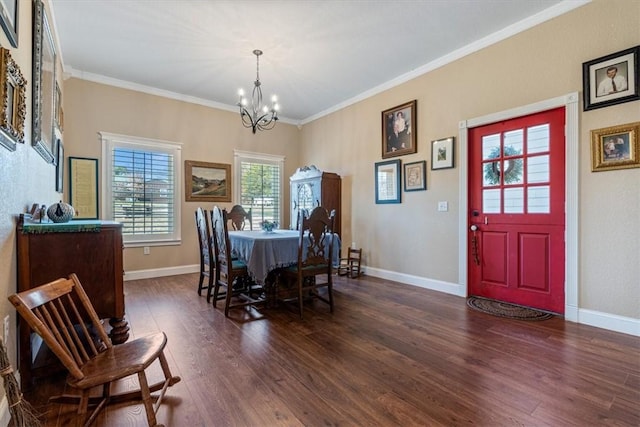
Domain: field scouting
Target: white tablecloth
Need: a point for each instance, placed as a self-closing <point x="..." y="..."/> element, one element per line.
<point x="264" y="252"/>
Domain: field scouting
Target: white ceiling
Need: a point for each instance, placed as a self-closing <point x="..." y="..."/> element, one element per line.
<point x="318" y="55"/>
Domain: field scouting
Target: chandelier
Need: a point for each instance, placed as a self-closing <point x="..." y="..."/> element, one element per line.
<point x="259" y="117"/>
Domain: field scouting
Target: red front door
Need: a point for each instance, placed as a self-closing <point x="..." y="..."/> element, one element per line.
<point x="516" y="207"/>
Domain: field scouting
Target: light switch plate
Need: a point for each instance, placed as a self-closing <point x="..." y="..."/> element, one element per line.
<point x="443" y="206"/>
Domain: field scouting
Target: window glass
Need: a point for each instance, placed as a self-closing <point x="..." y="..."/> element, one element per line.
<point x="491" y="201"/>
<point x="538" y="199"/>
<point x="538" y="139"/>
<point x="140" y="188"/>
<point x="259" y="186"/>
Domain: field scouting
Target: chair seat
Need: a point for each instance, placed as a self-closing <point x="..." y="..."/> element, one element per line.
<point x="120" y="361"/>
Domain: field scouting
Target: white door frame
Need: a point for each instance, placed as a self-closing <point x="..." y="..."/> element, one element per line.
<point x="570" y="103"/>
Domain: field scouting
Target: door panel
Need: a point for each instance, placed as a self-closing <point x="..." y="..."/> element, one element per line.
<point x="516" y="201"/>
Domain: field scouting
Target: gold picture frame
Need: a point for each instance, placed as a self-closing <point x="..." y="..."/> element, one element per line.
<point x="13" y="109"/>
<point x="615" y="147"/>
<point x="207" y="182"/>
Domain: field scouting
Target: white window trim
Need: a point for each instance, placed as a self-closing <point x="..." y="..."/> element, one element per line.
<point x="239" y="156"/>
<point x="108" y="140"/>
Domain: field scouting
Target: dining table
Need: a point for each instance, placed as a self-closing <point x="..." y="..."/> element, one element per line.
<point x="265" y="252"/>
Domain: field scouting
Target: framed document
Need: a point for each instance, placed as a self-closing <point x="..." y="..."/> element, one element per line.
<point x="83" y="187"/>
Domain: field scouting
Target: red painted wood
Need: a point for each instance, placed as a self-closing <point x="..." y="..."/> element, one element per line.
<point x="521" y="255"/>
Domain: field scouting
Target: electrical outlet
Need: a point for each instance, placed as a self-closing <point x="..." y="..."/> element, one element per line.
<point x="7" y="325"/>
<point x="146" y="250"/>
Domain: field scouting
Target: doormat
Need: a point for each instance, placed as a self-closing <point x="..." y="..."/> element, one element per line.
<point x="504" y="309"/>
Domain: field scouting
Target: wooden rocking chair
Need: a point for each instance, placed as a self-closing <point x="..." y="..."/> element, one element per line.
<point x="61" y="313"/>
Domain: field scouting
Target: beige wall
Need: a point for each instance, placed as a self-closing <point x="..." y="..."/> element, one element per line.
<point x="25" y="179"/>
<point x="412" y="237"/>
<point x="206" y="134"/>
<point x="539" y="64"/>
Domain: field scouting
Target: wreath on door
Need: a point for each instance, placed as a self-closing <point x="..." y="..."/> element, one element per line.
<point x="512" y="171"/>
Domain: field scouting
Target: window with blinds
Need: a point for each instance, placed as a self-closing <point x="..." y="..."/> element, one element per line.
<point x="141" y="188"/>
<point x="259" y="186"/>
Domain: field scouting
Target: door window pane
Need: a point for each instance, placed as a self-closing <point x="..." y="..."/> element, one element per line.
<point x="491" y="174"/>
<point x="491" y="201"/>
<point x="538" y="169"/>
<point x="514" y="200"/>
<point x="513" y="171"/>
<point x="513" y="142"/>
<point x="538" y="139"/>
<point x="490" y="146"/>
<point x="538" y="199"/>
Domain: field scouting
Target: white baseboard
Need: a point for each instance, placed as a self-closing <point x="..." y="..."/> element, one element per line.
<point x="161" y="272"/>
<point x="5" y="416"/>
<point x="421" y="282"/>
<point x="612" y="322"/>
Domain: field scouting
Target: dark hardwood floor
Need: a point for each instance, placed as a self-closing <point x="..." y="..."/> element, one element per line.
<point x="390" y="355"/>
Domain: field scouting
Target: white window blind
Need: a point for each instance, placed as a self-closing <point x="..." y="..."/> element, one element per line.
<point x="259" y="185"/>
<point x="141" y="188"/>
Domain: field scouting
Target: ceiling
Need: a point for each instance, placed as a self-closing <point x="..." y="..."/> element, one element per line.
<point x="319" y="55"/>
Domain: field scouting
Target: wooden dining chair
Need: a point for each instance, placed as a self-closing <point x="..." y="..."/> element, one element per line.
<point x="239" y="217"/>
<point x="205" y="246"/>
<point x="231" y="273"/>
<point x="61" y="313"/>
<point x="315" y="248"/>
<point x="350" y="265"/>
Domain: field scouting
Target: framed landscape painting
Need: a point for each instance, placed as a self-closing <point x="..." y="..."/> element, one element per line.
<point x="207" y="182"/>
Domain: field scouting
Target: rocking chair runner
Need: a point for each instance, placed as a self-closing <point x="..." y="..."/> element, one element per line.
<point x="61" y="313"/>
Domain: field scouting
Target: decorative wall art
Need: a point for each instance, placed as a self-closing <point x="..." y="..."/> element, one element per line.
<point x="442" y="153"/>
<point x="399" y="130"/>
<point x="44" y="84"/>
<point x="9" y="20"/>
<point x="387" y="176"/>
<point x="13" y="109"/>
<point x="611" y="79"/>
<point x="59" y="163"/>
<point x="83" y="187"/>
<point x="615" y="147"/>
<point x="207" y="182"/>
<point x="415" y="176"/>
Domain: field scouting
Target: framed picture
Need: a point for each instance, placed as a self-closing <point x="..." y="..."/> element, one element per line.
<point x="612" y="79"/>
<point x="207" y="182"/>
<point x="13" y="106"/>
<point x="59" y="164"/>
<point x="83" y="187"/>
<point x="399" y="130"/>
<point x="9" y="20"/>
<point x="615" y="147"/>
<point x="415" y="176"/>
<point x="58" y="107"/>
<point x="387" y="176"/>
<point x="44" y="84"/>
<point x="442" y="153"/>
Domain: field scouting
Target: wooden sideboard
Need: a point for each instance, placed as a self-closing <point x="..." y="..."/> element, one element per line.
<point x="90" y="248"/>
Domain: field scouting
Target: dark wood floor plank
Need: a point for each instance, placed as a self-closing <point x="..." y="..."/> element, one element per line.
<point x="390" y="354"/>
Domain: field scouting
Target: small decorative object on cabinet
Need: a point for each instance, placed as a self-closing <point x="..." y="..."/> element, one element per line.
<point x="61" y="212"/>
<point x="311" y="187"/>
<point x="92" y="249"/>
